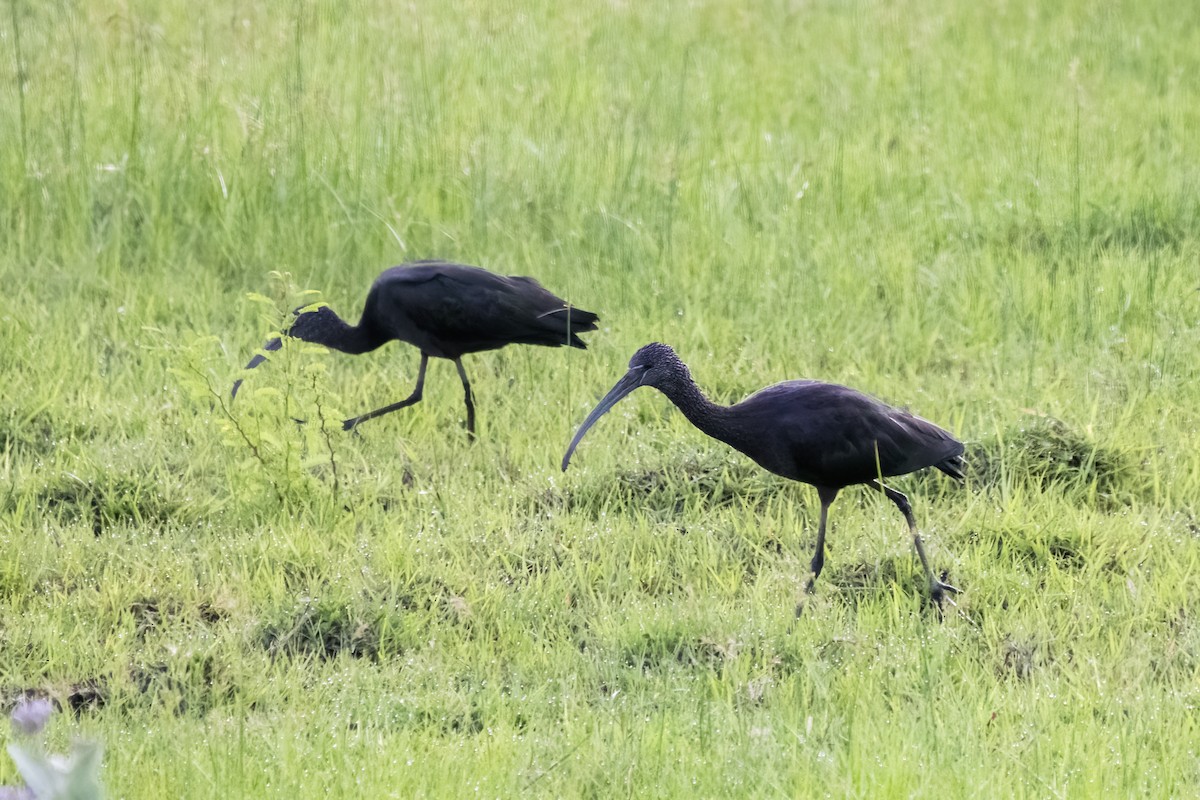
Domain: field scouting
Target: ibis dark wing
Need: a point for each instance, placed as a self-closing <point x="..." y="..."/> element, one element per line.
<point x="825" y="434"/>
<point x="450" y="309"/>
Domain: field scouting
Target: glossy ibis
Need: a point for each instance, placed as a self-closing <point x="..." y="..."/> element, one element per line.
<point x="446" y="311"/>
<point x="819" y="433"/>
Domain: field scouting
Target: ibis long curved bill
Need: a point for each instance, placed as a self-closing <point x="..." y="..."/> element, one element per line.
<point x="632" y="380"/>
<point x="270" y="346"/>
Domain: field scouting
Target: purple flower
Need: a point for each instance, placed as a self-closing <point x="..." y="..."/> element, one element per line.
<point x="31" y="715"/>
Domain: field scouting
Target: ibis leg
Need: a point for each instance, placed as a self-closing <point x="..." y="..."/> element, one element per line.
<point x="818" y="560"/>
<point x="937" y="589"/>
<point x="462" y="373"/>
<point x="408" y="401"/>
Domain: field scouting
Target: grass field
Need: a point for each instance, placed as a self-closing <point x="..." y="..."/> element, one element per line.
<point x="987" y="212"/>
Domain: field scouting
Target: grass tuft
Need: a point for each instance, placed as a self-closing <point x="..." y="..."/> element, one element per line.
<point x="324" y="629"/>
<point x="108" y="501"/>
<point x="1047" y="454"/>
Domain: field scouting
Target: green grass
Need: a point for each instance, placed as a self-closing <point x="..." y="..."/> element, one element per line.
<point x="985" y="211"/>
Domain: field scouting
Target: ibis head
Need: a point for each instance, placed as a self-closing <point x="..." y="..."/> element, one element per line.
<point x="655" y="365"/>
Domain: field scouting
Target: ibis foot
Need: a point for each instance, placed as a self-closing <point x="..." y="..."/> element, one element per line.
<point x="938" y="593"/>
<point x="809" y="591"/>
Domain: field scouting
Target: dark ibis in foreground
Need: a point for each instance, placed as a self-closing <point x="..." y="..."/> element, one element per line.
<point x="822" y="434"/>
<point x="446" y="311"/>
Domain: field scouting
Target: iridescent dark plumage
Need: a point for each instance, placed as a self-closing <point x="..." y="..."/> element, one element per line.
<point x="446" y="311"/>
<point x="822" y="434"/>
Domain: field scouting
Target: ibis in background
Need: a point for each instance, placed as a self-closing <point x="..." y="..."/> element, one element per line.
<point x="818" y="433"/>
<point x="446" y="311"/>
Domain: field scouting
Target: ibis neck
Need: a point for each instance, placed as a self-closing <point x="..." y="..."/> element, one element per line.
<point x="332" y="331"/>
<point x="706" y="415"/>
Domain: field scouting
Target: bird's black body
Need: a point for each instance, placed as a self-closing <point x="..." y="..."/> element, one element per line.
<point x="818" y="433"/>
<point x="819" y="430"/>
<point x="449" y="310"/>
<point x="446" y="311"/>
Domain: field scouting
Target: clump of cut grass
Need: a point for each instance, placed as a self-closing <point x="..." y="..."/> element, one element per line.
<point x="151" y="614"/>
<point x="1048" y="455"/>
<point x="669" y="645"/>
<point x="40" y="433"/>
<point x="89" y="694"/>
<point x="79" y="696"/>
<point x="863" y="574"/>
<point x="1019" y="657"/>
<point x="107" y="500"/>
<point x="188" y="683"/>
<point x="325" y="629"/>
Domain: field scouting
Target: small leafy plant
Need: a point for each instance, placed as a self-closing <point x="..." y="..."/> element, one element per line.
<point x="279" y="436"/>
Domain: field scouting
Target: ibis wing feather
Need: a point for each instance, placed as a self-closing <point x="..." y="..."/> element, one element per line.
<point x="460" y="309"/>
<point x="826" y="434"/>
